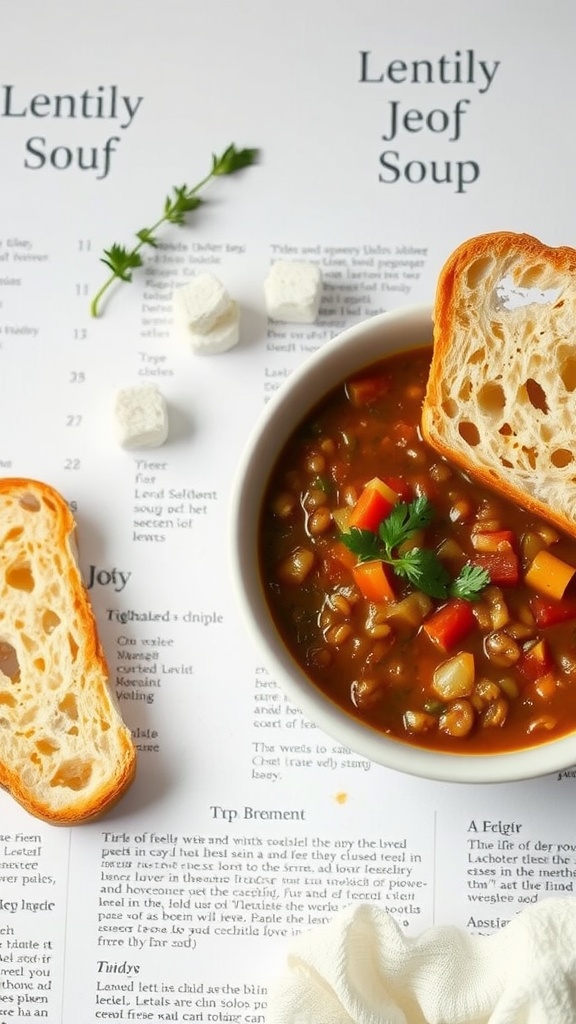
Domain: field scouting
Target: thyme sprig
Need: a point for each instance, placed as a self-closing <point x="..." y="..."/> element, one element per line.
<point x="122" y="260"/>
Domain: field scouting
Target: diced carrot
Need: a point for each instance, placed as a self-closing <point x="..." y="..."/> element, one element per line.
<point x="549" y="575"/>
<point x="365" y="390"/>
<point x="503" y="567"/>
<point x="549" y="613"/>
<point x="374" y="504"/>
<point x="372" y="581"/>
<point x="450" y="623"/>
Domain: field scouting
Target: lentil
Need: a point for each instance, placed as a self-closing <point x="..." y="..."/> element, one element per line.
<point x="374" y="657"/>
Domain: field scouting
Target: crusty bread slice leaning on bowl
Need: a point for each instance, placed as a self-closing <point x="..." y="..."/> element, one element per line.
<point x="501" y="394"/>
<point x="65" y="753"/>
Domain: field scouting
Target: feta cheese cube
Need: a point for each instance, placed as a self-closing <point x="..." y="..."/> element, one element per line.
<point x="205" y="315"/>
<point x="292" y="291"/>
<point x="141" y="416"/>
<point x="200" y="303"/>
<point x="223" y="335"/>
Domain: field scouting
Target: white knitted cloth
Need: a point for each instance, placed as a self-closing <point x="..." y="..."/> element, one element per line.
<point x="361" y="969"/>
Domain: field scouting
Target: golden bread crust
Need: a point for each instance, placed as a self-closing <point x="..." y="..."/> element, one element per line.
<point x="501" y="394"/>
<point x="65" y="754"/>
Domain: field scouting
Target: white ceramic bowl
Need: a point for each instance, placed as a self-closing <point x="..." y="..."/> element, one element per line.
<point x="349" y="352"/>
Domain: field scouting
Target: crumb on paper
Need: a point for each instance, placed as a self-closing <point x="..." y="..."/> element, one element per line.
<point x="140" y="417"/>
<point x="341" y="797"/>
<point x="292" y="291"/>
<point x="205" y="316"/>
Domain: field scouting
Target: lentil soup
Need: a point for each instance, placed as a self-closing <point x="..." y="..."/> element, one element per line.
<point x="425" y="606"/>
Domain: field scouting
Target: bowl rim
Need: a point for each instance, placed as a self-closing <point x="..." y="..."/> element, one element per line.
<point x="331" y="362"/>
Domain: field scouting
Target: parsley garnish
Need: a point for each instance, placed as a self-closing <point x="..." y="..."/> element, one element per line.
<point x="469" y="582"/>
<point x="123" y="261"/>
<point x="420" y="566"/>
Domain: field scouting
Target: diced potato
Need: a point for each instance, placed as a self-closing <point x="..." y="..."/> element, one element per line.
<point x="411" y="610"/>
<point x="455" y="677"/>
<point x="450" y="551"/>
<point x="295" y="568"/>
<point x="341" y="517"/>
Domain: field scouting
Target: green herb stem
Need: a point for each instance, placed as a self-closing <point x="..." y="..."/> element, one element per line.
<point x="183" y="200"/>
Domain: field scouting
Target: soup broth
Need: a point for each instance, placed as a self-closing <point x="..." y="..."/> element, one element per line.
<point x="423" y="604"/>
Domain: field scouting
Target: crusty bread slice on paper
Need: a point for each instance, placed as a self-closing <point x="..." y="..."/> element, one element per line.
<point x="501" y="394"/>
<point x="65" y="753"/>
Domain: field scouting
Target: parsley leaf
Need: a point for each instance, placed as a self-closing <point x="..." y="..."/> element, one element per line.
<point x="404" y="520"/>
<point x="420" y="566"/>
<point x="364" y="543"/>
<point x="469" y="582"/>
<point x="424" y="570"/>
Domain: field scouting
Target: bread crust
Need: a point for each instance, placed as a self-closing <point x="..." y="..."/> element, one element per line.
<point x="65" y="753"/>
<point x="506" y="417"/>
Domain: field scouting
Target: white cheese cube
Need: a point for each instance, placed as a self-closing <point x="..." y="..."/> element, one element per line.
<point x="200" y="304"/>
<point x="292" y="291"/>
<point x="141" y="417"/>
<point x="223" y="335"/>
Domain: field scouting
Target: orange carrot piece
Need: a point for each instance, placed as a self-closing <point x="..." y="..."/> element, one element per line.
<point x="549" y="575"/>
<point x="375" y="502"/>
<point x="372" y="581"/>
<point x="450" y="623"/>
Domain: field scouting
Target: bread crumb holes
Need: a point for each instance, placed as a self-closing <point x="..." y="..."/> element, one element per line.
<point x="469" y="433"/>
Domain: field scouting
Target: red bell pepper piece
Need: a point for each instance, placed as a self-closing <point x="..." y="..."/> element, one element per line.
<point x="450" y="623"/>
<point x="549" y="613"/>
<point x="503" y="567"/>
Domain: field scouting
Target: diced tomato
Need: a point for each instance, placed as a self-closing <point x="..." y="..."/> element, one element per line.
<point x="503" y="567"/>
<point x="366" y="390"/>
<point x="450" y="623"/>
<point x="372" y="581"/>
<point x="535" y="661"/>
<point x="375" y="502"/>
<point x="549" y="613"/>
